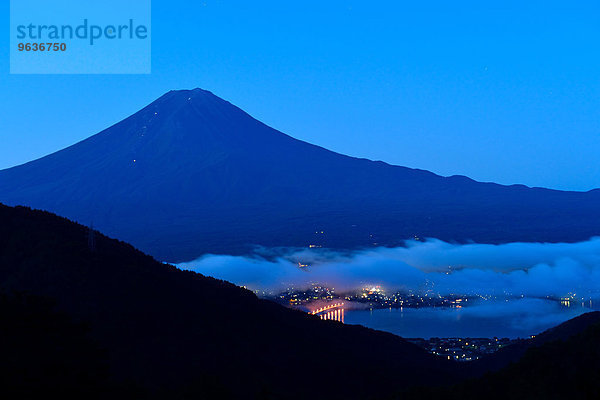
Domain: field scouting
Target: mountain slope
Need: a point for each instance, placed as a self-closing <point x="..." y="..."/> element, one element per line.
<point x="564" y="364"/>
<point x="191" y="174"/>
<point x="44" y="353"/>
<point x="173" y="334"/>
<point x="514" y="352"/>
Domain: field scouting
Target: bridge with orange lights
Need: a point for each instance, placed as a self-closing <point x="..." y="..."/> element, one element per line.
<point x="327" y="308"/>
<point x="334" y="312"/>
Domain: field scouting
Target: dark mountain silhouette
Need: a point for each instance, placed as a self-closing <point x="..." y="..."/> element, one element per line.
<point x="515" y="352"/>
<point x="45" y="352"/>
<point x="192" y="174"/>
<point x="99" y="319"/>
<point x="561" y="363"/>
<point x="157" y="331"/>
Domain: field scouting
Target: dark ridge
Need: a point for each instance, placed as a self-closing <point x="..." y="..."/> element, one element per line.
<point x="167" y="333"/>
<point x="44" y="352"/>
<point x="565" y="364"/>
<point x="514" y="352"/>
<point x="84" y="318"/>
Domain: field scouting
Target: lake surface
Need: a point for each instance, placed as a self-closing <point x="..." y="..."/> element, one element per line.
<point x="512" y="319"/>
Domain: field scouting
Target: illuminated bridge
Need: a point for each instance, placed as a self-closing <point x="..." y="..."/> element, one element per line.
<point x="334" y="312"/>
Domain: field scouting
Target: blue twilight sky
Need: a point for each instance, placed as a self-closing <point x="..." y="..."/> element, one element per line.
<point x="505" y="91"/>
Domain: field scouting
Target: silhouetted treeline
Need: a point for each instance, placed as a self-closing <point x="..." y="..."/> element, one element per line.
<point x="111" y="322"/>
<point x="179" y="334"/>
<point x="42" y="352"/>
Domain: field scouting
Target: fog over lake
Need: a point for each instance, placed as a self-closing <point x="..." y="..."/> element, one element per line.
<point x="530" y="271"/>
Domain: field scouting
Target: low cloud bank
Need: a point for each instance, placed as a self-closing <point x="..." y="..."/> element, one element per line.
<point x="529" y="269"/>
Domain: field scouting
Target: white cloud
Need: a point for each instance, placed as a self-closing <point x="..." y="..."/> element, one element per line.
<point x="531" y="269"/>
